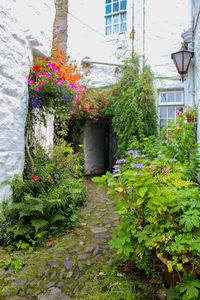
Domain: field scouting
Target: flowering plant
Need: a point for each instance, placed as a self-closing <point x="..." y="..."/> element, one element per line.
<point x="51" y="82"/>
<point x="89" y="104"/>
<point x="159" y="224"/>
<point x="190" y="111"/>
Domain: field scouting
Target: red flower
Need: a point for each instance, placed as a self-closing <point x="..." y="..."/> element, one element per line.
<point x="36" y="67"/>
<point x="49" y="177"/>
<point x="35" y="178"/>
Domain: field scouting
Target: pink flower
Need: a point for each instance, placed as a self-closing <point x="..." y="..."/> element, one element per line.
<point x="153" y="167"/>
<point x="156" y="158"/>
<point x="185" y="106"/>
<point x="181" y="169"/>
<point x="39" y="75"/>
<point x="59" y="82"/>
<point x="165" y="170"/>
<point x="37" y="89"/>
<point x="83" y="87"/>
<point x="178" y="112"/>
<point x="41" y="83"/>
<point x="47" y="59"/>
<point x="30" y="81"/>
<point x="47" y="74"/>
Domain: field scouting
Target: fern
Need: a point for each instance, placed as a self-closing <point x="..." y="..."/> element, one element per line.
<point x="38" y="223"/>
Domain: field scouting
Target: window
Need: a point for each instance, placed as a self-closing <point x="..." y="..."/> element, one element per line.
<point x="169" y="103"/>
<point x="116" y="17"/>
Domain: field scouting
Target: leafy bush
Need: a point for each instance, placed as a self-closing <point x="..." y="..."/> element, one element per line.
<point x="133" y="105"/>
<point x="160" y="216"/>
<point x="47" y="203"/>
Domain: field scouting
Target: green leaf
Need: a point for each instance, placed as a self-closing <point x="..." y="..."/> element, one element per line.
<point x="142" y="191"/>
<point x="38" y="223"/>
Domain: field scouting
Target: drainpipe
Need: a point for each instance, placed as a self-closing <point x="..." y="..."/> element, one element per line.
<point x="133" y="30"/>
<point x="143" y="42"/>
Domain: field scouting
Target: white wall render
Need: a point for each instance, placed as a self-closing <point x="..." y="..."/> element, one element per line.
<point x="25" y="31"/>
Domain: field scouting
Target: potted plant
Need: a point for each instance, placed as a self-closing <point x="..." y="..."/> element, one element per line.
<point x="190" y="112"/>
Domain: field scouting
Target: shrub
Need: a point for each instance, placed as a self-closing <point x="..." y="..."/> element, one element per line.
<point x="160" y="216"/>
<point x="47" y="203"/>
<point x="133" y="105"/>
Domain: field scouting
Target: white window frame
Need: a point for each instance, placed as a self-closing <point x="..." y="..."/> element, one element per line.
<point x="177" y="105"/>
<point x="112" y="14"/>
<point x="168" y="103"/>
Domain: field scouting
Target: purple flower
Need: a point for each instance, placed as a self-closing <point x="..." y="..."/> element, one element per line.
<point x="132" y="152"/>
<point x="120" y="161"/>
<point x="139" y="166"/>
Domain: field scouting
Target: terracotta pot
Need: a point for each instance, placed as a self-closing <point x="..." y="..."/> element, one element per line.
<point x="190" y="119"/>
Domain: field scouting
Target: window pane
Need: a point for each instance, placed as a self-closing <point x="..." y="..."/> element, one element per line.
<point x="171" y="97"/>
<point x="108" y="20"/>
<point x="123" y="17"/>
<point x="116" y="28"/>
<point x="115" y="6"/>
<point x="108" y="1"/>
<point x="171" y="112"/>
<point x="163" y="112"/>
<point x="108" y="9"/>
<point x="116" y="19"/>
<point x="163" y="97"/>
<point x="163" y="122"/>
<point x="115" y="0"/>
<point x="178" y="97"/>
<point x="108" y="30"/>
<point x="122" y="5"/>
<point x="123" y="27"/>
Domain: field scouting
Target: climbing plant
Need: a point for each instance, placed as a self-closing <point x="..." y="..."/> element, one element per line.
<point x="133" y="104"/>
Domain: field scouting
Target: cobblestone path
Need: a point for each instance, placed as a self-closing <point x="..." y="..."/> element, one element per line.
<point x="63" y="270"/>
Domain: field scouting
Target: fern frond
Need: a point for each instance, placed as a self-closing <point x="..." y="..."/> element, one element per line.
<point x="38" y="223"/>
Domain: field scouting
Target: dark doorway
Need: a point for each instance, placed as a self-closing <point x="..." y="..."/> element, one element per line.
<point x="99" y="146"/>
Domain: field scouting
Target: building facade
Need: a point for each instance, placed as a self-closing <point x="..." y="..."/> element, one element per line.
<point x="104" y="32"/>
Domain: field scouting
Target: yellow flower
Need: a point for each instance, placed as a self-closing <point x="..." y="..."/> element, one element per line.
<point x="145" y="139"/>
<point x="80" y="145"/>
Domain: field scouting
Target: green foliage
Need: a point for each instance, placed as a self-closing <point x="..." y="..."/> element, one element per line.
<point x="181" y="145"/>
<point x="133" y="104"/>
<point x="160" y="217"/>
<point x="47" y="203"/>
<point x="121" y="281"/>
<point x="15" y="262"/>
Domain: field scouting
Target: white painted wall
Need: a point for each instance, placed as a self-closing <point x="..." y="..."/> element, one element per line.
<point x="25" y="31"/>
<point x="164" y="23"/>
<point x="196" y="26"/>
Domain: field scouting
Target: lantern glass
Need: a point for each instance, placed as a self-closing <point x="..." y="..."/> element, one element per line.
<point x="182" y="60"/>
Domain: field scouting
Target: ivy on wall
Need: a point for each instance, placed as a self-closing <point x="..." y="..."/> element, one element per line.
<point x="133" y="105"/>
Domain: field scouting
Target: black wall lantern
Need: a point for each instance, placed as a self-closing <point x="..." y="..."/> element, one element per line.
<point x="182" y="60"/>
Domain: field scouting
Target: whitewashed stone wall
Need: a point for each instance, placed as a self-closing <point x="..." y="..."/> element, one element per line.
<point x="25" y="31"/>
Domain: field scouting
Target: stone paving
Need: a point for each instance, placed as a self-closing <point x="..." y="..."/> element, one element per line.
<point x="63" y="270"/>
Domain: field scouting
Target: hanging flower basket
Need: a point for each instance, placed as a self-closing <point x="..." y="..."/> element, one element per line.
<point x="190" y="119"/>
